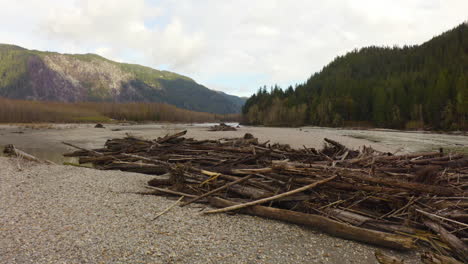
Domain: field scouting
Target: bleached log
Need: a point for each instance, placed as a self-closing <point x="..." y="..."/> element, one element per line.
<point x="324" y="224"/>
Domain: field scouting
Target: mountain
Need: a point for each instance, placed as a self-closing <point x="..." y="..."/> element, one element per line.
<point x="421" y="86"/>
<point x="50" y="76"/>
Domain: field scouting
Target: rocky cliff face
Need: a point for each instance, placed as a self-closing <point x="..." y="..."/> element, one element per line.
<point x="48" y="85"/>
<point x="35" y="75"/>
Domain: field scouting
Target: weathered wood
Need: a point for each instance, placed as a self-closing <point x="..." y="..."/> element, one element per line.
<point x="11" y="150"/>
<point x="323" y="224"/>
<point x="454" y="163"/>
<point x="171" y="192"/>
<point x="168" y="209"/>
<point x="153" y="161"/>
<point x="444" y="158"/>
<point x="335" y="143"/>
<point x="136" y="167"/>
<point x="438" y="218"/>
<point x="412" y="186"/>
<point x="256" y="191"/>
<point x="83" y="149"/>
<point x="458" y="246"/>
<point x="407" y="156"/>
<point x="218" y="189"/>
<point x="272" y="198"/>
<point x="432" y="258"/>
<point x="374" y="191"/>
<point x="249" y="192"/>
<point x="251" y="171"/>
<point x="354" y="187"/>
<point x="365" y="221"/>
<point x="171" y="137"/>
<point x="99" y="159"/>
<point x="387" y="259"/>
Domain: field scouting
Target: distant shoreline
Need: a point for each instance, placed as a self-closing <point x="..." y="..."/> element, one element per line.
<point x="45" y="140"/>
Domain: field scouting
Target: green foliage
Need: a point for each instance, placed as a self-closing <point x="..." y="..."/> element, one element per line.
<point x="410" y="87"/>
<point x="151" y="77"/>
<point x="13" y="67"/>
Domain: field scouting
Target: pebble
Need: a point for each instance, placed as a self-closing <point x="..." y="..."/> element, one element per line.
<point x="61" y="214"/>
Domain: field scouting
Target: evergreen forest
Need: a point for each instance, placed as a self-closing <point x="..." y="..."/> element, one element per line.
<point x="411" y="87"/>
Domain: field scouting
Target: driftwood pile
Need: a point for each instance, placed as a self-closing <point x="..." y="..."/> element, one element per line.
<point x="394" y="201"/>
<point x="222" y="127"/>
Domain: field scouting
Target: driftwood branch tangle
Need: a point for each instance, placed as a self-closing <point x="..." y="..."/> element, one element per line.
<point x="218" y="189"/>
<point x="83" y="149"/>
<point x="365" y="195"/>
<point x="11" y="150"/>
<point x="272" y="198"/>
<point x="324" y="224"/>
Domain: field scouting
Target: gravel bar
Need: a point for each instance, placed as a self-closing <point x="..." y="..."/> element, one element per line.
<point x="64" y="214"/>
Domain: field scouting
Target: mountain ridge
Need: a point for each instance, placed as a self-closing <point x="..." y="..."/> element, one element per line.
<point x="52" y="76"/>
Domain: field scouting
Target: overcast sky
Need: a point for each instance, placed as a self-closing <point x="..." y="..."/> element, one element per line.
<point x="230" y="45"/>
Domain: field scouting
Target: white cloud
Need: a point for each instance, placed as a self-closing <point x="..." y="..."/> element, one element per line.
<point x="119" y="26"/>
<point x="233" y="45"/>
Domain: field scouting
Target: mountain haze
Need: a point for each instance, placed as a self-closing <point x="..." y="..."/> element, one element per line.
<point x="421" y="86"/>
<point x="50" y="76"/>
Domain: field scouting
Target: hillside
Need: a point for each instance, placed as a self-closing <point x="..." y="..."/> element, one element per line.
<point x="422" y="86"/>
<point x="48" y="76"/>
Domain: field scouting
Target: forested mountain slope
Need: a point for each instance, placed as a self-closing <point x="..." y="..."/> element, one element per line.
<point x="408" y="87"/>
<point x="48" y="76"/>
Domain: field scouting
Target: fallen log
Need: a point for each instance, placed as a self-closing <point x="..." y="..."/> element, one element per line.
<point x="170" y="137"/>
<point x="364" y="221"/>
<point x="412" y="186"/>
<point x="454" y="163"/>
<point x="218" y="190"/>
<point x="83" y="149"/>
<point x="356" y="186"/>
<point x="249" y="192"/>
<point x="136" y="167"/>
<point x="11" y="150"/>
<point x="324" y="224"/>
<point x="457" y="246"/>
<point x="155" y="161"/>
<point x="272" y="198"/>
<point x="408" y="156"/>
<point x="432" y="258"/>
<point x="438" y="218"/>
<point x="429" y="161"/>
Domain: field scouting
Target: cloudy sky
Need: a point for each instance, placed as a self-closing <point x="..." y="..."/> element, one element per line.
<point x="233" y="46"/>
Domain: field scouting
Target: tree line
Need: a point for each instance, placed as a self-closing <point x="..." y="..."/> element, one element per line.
<point x="410" y="87"/>
<point x="23" y="111"/>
